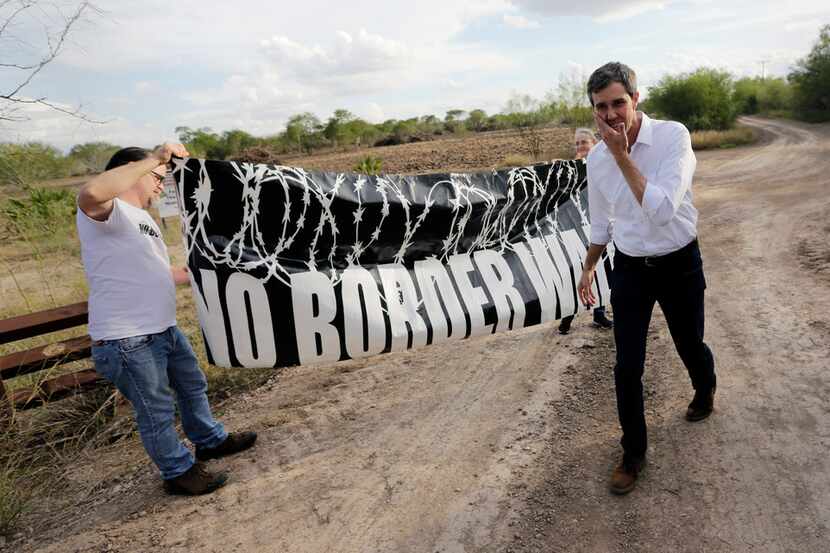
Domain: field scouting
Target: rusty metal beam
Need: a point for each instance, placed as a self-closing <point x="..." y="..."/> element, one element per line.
<point x="43" y="322"/>
<point x="57" y="388"/>
<point x="43" y="357"/>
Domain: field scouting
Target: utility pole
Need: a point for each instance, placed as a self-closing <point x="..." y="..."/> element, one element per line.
<point x="764" y="69"/>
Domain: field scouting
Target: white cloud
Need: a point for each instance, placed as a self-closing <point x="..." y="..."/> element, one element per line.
<point x="373" y="113"/>
<point x="223" y="35"/>
<point x="626" y="11"/>
<point x="147" y="87"/>
<point x="349" y="55"/>
<point x="47" y="125"/>
<point x="807" y="25"/>
<point x="601" y="11"/>
<point x="292" y="76"/>
<point x="520" y="22"/>
<point x="249" y="64"/>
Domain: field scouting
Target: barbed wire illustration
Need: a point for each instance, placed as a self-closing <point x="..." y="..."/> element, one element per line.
<point x="524" y="206"/>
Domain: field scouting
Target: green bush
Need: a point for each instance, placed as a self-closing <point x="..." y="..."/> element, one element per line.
<point x="91" y="157"/>
<point x="369" y="166"/>
<point x="811" y="81"/>
<point x="44" y="212"/>
<point x="206" y="144"/>
<point x="701" y="100"/>
<point x="23" y="165"/>
<point x="765" y="96"/>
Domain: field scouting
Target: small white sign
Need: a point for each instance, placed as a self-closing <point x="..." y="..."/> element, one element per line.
<point x="168" y="204"/>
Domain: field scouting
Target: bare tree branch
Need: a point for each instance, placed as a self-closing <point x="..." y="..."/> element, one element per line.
<point x="9" y="114"/>
<point x="21" y="8"/>
<point x="12" y="101"/>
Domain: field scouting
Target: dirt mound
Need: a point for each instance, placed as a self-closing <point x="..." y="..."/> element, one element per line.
<point x="257" y="154"/>
<point x="474" y="152"/>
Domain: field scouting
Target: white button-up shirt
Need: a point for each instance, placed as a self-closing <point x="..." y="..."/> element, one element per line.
<point x="667" y="220"/>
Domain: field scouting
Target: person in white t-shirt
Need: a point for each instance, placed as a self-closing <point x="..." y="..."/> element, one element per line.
<point x="132" y="320"/>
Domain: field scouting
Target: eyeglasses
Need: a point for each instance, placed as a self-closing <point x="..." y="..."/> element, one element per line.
<point x="159" y="178"/>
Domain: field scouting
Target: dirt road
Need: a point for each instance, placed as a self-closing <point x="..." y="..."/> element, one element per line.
<point x="505" y="443"/>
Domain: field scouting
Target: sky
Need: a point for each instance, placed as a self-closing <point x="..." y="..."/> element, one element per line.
<point x="145" y="67"/>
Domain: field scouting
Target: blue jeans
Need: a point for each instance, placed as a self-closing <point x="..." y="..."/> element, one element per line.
<point x="147" y="370"/>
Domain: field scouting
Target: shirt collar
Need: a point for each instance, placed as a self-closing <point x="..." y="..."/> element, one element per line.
<point x="646" y="130"/>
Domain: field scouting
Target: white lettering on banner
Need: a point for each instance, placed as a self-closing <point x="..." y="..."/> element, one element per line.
<point x="540" y="270"/>
<point x="563" y="279"/>
<point x="402" y="306"/>
<point x="209" y="308"/>
<point x="474" y="297"/>
<point x="498" y="278"/>
<point x="601" y="277"/>
<point x="453" y="304"/>
<point x="306" y="290"/>
<point x="252" y="350"/>
<point x="357" y="280"/>
<point x="436" y="288"/>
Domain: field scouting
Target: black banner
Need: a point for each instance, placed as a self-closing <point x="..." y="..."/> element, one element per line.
<point x="291" y="266"/>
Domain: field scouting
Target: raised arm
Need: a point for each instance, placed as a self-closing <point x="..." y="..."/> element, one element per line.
<point x="95" y="197"/>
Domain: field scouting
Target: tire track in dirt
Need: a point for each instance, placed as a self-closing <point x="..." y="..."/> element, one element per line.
<point x="395" y="453"/>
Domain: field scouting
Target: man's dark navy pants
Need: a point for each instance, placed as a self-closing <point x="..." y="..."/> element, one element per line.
<point x="676" y="282"/>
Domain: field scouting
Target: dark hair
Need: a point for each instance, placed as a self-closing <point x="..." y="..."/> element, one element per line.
<point x="127" y="155"/>
<point x="612" y="72"/>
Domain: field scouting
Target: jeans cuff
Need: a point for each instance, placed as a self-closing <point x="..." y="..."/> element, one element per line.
<point x="215" y="440"/>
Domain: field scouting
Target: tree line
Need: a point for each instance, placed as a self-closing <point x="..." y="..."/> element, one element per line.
<point x="705" y="99"/>
<point x="712" y="99"/>
<point x="306" y="133"/>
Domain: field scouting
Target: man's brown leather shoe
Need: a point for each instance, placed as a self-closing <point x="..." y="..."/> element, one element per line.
<point x="701" y="406"/>
<point x="624" y="477"/>
<point x="196" y="481"/>
<point x="234" y="443"/>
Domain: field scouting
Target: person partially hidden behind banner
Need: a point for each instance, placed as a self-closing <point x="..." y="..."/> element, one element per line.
<point x="584" y="140"/>
<point x="132" y="321"/>
<point x="642" y="174"/>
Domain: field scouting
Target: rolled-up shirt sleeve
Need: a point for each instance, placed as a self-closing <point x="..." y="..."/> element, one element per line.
<point x="663" y="194"/>
<point x="599" y="212"/>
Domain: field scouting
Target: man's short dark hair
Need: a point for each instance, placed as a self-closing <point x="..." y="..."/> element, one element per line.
<point x="125" y="156"/>
<point x="612" y="72"/>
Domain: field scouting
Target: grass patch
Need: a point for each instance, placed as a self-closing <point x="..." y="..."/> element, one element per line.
<point x="778" y="114"/>
<point x="369" y="165"/>
<point x="40" y="212"/>
<point x="708" y="140"/>
<point x="38" y="443"/>
<point x="515" y="160"/>
<point x="14" y="493"/>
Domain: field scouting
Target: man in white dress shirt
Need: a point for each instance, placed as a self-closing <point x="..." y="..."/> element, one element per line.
<point x="640" y="176"/>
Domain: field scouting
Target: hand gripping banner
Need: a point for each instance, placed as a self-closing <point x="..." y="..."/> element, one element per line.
<point x="293" y="267"/>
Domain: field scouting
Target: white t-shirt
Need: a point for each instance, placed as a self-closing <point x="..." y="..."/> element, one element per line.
<point x="131" y="289"/>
